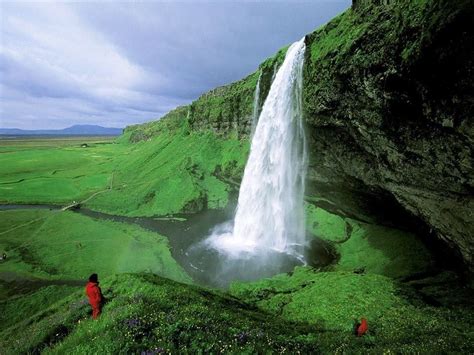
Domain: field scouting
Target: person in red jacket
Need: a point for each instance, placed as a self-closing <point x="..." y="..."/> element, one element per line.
<point x="361" y="328"/>
<point x="94" y="294"/>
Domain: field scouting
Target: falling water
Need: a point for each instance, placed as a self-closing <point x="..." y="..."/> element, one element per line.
<point x="267" y="234"/>
<point x="270" y="209"/>
<point x="256" y="106"/>
<point x="275" y="67"/>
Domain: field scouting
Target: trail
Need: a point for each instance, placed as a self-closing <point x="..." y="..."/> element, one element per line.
<point x="22" y="225"/>
<point x="65" y="208"/>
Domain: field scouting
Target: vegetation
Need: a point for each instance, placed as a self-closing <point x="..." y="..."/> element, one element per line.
<point x="401" y="318"/>
<point x="149" y="314"/>
<point x="123" y="178"/>
<point x="193" y="158"/>
<point x="62" y="245"/>
<point x="304" y="312"/>
<point x="372" y="248"/>
<point x="55" y="171"/>
<point x="146" y="181"/>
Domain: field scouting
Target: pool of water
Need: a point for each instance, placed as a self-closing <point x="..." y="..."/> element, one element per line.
<point x="186" y="234"/>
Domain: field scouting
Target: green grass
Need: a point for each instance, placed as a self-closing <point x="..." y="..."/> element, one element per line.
<point x="54" y="142"/>
<point x="399" y="319"/>
<point x="175" y="171"/>
<point x="148" y="313"/>
<point x="65" y="245"/>
<point x="375" y="248"/>
<point x="55" y="171"/>
<point x="305" y="312"/>
<point x="16" y="308"/>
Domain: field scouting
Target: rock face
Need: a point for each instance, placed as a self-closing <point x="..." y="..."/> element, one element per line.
<point x="389" y="115"/>
<point x="388" y="100"/>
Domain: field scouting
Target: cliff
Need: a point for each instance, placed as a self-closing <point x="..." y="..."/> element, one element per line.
<point x="389" y="112"/>
<point x="388" y="100"/>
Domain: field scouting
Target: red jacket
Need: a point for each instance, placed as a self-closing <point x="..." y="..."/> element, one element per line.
<point x="363" y="327"/>
<point x="94" y="293"/>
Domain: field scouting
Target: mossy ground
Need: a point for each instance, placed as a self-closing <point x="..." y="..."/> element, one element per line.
<point x="149" y="314"/>
<point x="138" y="179"/>
<point x="400" y="320"/>
<point x="64" y="245"/>
<point x="369" y="247"/>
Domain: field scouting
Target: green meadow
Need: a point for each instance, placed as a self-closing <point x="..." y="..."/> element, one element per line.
<point x="121" y="178"/>
<point x="65" y="245"/>
<point x="375" y="103"/>
<point x="381" y="273"/>
<point x="54" y="171"/>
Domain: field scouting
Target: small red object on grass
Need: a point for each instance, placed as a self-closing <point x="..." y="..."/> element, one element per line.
<point x="363" y="327"/>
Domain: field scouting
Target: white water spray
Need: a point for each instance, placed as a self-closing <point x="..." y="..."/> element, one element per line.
<point x="270" y="212"/>
<point x="275" y="67"/>
<point x="256" y="106"/>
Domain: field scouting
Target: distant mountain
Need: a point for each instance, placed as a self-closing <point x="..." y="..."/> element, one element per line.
<point x="77" y="130"/>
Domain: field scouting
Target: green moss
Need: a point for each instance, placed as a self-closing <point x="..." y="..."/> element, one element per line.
<point x="333" y="300"/>
<point x="147" y="313"/>
<point x="66" y="245"/>
<point x="173" y="172"/>
<point x="369" y="247"/>
<point x="325" y="225"/>
<point x="386" y="251"/>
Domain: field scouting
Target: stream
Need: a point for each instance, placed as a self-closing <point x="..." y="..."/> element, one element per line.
<point x="186" y="231"/>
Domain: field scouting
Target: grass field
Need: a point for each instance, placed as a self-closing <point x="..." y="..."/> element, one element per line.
<point x="51" y="253"/>
<point x="138" y="179"/>
<point x="52" y="141"/>
<point x="54" y="171"/>
<point x="306" y="312"/>
<point x="65" y="245"/>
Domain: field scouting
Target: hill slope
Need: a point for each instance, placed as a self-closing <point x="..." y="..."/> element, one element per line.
<point x="287" y="314"/>
<point x="388" y="104"/>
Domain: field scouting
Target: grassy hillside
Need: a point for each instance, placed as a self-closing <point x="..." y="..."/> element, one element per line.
<point x="175" y="171"/>
<point x="306" y="312"/>
<point x="146" y="313"/>
<point x="55" y="245"/>
<point x="402" y="318"/>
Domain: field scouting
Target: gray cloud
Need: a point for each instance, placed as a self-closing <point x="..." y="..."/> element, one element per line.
<point x="117" y="64"/>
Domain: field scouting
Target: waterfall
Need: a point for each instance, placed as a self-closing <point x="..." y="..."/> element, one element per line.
<point x="256" y="106"/>
<point x="269" y="219"/>
<point x="275" y="67"/>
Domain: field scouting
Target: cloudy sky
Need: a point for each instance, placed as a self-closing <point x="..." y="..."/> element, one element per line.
<point x="116" y="64"/>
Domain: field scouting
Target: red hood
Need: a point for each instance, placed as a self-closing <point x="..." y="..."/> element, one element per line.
<point x="90" y="285"/>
